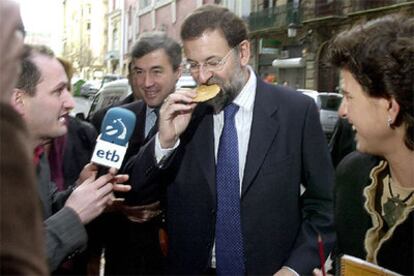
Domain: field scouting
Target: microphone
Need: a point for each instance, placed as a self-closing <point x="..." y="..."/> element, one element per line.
<point x="116" y="130"/>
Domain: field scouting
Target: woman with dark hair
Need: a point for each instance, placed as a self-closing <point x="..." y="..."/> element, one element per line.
<point x="374" y="194"/>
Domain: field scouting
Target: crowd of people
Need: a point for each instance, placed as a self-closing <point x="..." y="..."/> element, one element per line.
<point x="243" y="183"/>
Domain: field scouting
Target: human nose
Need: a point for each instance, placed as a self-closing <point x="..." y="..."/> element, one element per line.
<point x="68" y="100"/>
<point x="343" y="108"/>
<point x="148" y="80"/>
<point x="203" y="74"/>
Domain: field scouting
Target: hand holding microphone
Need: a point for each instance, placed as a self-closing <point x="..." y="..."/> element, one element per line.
<point x="90" y="198"/>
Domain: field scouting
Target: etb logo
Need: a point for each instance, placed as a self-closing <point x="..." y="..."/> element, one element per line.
<point x="111" y="144"/>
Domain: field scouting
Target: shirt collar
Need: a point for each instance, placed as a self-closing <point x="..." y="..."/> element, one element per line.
<point x="149" y="110"/>
<point x="245" y="99"/>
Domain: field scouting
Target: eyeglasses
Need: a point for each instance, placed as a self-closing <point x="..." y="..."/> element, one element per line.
<point x="212" y="65"/>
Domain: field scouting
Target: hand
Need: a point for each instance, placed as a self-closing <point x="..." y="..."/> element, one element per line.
<point x="175" y="114"/>
<point x="318" y="272"/>
<point x="11" y="47"/>
<point x="284" y="272"/>
<point x="90" y="170"/>
<point x="90" y="198"/>
<point x="117" y="187"/>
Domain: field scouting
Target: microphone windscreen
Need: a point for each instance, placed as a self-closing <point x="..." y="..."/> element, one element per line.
<point x="116" y="130"/>
<point x="118" y="126"/>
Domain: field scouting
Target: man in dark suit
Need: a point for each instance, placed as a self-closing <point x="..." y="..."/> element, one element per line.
<point x="280" y="145"/>
<point x="135" y="240"/>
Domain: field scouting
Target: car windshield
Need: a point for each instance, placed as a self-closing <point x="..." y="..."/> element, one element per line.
<point x="330" y="102"/>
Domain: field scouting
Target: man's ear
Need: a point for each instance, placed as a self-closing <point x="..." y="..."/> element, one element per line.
<point x="18" y="100"/>
<point x="244" y="52"/>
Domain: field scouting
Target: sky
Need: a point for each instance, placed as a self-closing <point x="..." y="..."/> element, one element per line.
<point x="45" y="17"/>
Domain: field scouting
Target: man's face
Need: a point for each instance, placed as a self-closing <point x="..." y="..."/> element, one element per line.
<point x="212" y="47"/>
<point x="153" y="76"/>
<point x="45" y="112"/>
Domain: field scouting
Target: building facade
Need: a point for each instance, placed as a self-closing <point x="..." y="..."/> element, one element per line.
<point x="290" y="37"/>
<point x="85" y="36"/>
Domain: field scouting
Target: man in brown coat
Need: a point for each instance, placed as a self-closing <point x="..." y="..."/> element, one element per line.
<point x="22" y="248"/>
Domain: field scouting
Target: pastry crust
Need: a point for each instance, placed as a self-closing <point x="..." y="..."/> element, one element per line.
<point x="206" y="92"/>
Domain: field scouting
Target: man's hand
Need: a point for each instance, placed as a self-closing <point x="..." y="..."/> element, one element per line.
<point x="90" y="170"/>
<point x="90" y="198"/>
<point x="285" y="272"/>
<point x="318" y="272"/>
<point x="175" y="114"/>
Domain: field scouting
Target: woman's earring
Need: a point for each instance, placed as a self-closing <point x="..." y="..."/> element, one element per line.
<point x="389" y="121"/>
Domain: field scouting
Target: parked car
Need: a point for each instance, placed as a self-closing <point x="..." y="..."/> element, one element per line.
<point x="109" y="94"/>
<point x="109" y="78"/>
<point x="89" y="88"/>
<point x="328" y="104"/>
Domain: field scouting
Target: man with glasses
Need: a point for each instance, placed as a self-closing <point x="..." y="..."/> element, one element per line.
<point x="233" y="166"/>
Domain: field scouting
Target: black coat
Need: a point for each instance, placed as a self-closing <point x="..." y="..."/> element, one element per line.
<point x="287" y="147"/>
<point x="80" y="143"/>
<point x="131" y="248"/>
<point x="353" y="221"/>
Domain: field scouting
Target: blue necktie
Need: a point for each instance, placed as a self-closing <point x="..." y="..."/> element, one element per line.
<point x="229" y="242"/>
<point x="151" y="122"/>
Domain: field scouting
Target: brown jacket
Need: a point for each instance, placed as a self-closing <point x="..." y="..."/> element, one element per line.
<point x="22" y="249"/>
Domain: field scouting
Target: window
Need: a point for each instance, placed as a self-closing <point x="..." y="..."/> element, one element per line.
<point x="144" y="3"/>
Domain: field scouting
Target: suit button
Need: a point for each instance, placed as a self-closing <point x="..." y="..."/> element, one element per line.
<point x="213" y="211"/>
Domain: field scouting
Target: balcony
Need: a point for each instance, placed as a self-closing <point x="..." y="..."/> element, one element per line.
<point x="328" y="8"/>
<point x="278" y="17"/>
<point x="359" y="6"/>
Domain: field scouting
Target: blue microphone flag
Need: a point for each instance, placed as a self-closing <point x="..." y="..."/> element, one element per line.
<point x="118" y="126"/>
<point x="116" y="130"/>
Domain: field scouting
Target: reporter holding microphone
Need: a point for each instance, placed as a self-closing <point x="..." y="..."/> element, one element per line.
<point x="43" y="100"/>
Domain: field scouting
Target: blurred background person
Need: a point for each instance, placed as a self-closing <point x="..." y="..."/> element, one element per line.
<point x="22" y="250"/>
<point x="342" y="141"/>
<point x="374" y="195"/>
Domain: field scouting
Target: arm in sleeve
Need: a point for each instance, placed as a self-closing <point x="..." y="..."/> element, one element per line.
<point x="149" y="172"/>
<point x="316" y="201"/>
<point x="65" y="236"/>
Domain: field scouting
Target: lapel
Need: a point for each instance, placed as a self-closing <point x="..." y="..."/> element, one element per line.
<point x="204" y="147"/>
<point x="139" y="108"/>
<point x="265" y="126"/>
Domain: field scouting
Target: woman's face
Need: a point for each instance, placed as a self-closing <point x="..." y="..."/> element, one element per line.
<point x="368" y="115"/>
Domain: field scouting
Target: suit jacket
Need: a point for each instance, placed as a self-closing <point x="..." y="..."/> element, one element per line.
<point x="80" y="143"/>
<point x="22" y="249"/>
<point x="352" y="220"/>
<point x="286" y="148"/>
<point x="65" y="234"/>
<point x="133" y="248"/>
